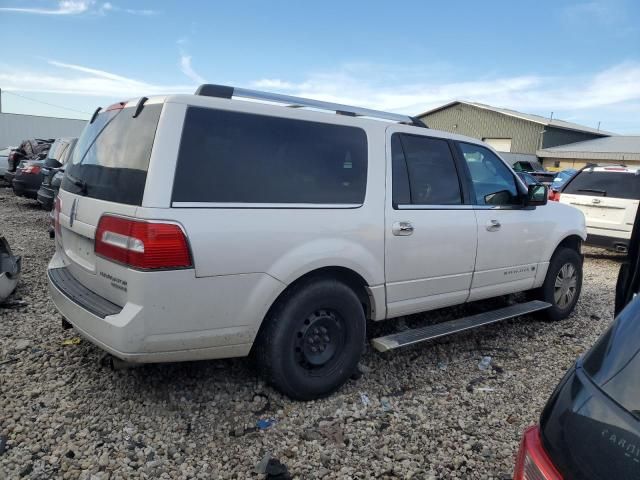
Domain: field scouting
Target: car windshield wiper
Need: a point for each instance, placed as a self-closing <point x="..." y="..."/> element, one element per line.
<point x="593" y="190"/>
<point x="81" y="184"/>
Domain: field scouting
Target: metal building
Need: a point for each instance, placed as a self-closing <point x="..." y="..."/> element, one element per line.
<point x="520" y="134"/>
<point x="14" y="128"/>
<point x="620" y="149"/>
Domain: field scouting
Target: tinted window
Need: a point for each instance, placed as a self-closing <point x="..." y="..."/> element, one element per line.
<point x="111" y="158"/>
<point x="431" y="171"/>
<point x="614" y="361"/>
<point x="234" y="157"/>
<point x="401" y="192"/>
<point x="493" y="182"/>
<point x="606" y="184"/>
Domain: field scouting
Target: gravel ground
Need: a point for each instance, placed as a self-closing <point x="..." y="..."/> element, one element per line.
<point x="424" y="412"/>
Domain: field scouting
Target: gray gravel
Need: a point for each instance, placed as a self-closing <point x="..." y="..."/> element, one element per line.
<point x="424" y="412"/>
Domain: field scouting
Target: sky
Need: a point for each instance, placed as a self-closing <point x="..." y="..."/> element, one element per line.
<point x="577" y="59"/>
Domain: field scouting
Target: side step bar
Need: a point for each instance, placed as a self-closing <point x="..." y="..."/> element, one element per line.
<point x="409" y="337"/>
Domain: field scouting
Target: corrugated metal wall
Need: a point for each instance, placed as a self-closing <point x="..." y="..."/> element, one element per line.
<point x="480" y="123"/>
<point x="15" y="128"/>
<point x="563" y="163"/>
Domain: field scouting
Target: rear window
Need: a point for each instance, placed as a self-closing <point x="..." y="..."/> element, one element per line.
<point x="605" y="184"/>
<point x="232" y="157"/>
<point x="614" y="361"/>
<point x="111" y="158"/>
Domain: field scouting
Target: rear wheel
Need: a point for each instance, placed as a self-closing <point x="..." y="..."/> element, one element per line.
<point x="313" y="339"/>
<point x="562" y="285"/>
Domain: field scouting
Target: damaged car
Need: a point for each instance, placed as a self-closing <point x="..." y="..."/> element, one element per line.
<point x="10" y="266"/>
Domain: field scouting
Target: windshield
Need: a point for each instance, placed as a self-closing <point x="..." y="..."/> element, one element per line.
<point x="111" y="158"/>
<point x="605" y="184"/>
<point x="614" y="361"/>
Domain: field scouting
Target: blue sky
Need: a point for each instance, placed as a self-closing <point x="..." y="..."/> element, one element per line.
<point x="579" y="59"/>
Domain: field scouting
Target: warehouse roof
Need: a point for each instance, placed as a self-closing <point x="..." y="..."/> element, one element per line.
<point x="524" y="116"/>
<point x="619" y="147"/>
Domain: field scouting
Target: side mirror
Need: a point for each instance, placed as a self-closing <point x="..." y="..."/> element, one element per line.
<point x="537" y="195"/>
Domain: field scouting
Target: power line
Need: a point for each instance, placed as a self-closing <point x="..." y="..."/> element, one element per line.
<point x="46" y="103"/>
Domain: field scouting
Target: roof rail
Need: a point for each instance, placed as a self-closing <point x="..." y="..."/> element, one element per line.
<point x="223" y="91"/>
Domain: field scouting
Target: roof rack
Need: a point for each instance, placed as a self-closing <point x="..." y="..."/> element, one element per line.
<point x="223" y="91"/>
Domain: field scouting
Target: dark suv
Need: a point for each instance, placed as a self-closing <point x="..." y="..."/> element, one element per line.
<point x="590" y="427"/>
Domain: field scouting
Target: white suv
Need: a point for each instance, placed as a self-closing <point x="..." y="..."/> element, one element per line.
<point x="608" y="196"/>
<point x="202" y="226"/>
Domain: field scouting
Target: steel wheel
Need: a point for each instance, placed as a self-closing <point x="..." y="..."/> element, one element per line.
<point x="565" y="286"/>
<point x="320" y="336"/>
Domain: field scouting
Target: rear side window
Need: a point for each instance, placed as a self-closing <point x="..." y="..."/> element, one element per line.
<point x="423" y="171"/>
<point x="111" y="158"/>
<point x="605" y="184"/>
<point x="233" y="157"/>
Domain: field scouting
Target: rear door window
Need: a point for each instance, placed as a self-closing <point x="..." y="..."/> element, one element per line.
<point x="605" y="184"/>
<point x="234" y="157"/>
<point x="423" y="171"/>
<point x="111" y="158"/>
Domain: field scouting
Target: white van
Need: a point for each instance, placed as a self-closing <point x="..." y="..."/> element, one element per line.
<point x="608" y="196"/>
<point x="203" y="226"/>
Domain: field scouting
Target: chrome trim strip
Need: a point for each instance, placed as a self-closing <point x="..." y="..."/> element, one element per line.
<point x="265" y="205"/>
<point x="459" y="207"/>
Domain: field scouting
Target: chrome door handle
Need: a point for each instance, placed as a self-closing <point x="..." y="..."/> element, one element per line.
<point x="402" y="228"/>
<point x="493" y="226"/>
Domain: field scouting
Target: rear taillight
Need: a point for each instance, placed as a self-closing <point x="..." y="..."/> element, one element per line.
<point x="31" y="169"/>
<point x="554" y="196"/>
<point x="56" y="217"/>
<point x="533" y="462"/>
<point x="142" y="244"/>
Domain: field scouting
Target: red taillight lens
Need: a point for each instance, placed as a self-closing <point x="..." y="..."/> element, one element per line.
<point x="31" y="169"/>
<point x="554" y="196"/>
<point x="56" y="218"/>
<point x="142" y="244"/>
<point x="533" y="463"/>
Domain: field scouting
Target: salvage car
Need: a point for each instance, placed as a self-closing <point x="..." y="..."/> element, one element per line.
<point x="10" y="267"/>
<point x="535" y="169"/>
<point x="4" y="161"/>
<point x="29" y="174"/>
<point x="608" y="196"/>
<point x="204" y="226"/>
<point x="52" y="178"/>
<point x="33" y="149"/>
<point x="590" y="427"/>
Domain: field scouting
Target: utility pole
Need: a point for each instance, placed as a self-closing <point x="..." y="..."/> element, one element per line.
<point x="0" y="100"/>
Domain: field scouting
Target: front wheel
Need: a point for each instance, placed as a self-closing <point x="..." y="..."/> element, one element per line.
<point x="313" y="339"/>
<point x="562" y="285"/>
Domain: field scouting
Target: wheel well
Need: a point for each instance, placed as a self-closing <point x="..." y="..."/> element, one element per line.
<point x="573" y="242"/>
<point x="347" y="276"/>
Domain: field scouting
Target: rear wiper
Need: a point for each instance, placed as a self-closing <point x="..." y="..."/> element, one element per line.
<point x="593" y="190"/>
<point x="81" y="184"/>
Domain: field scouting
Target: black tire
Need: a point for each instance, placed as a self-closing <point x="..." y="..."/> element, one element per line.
<point x="322" y="314"/>
<point x="561" y="305"/>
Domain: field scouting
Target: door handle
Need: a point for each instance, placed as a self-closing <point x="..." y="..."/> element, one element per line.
<point x="402" y="228"/>
<point x="493" y="226"/>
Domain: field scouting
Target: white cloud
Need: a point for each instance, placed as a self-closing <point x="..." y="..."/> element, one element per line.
<point x="77" y="7"/>
<point x="187" y="69"/>
<point x="611" y="95"/>
<point x="65" y="7"/>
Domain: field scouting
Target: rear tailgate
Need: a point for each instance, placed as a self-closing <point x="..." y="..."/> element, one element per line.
<point x="615" y="214"/>
<point x="608" y="197"/>
<point x="106" y="174"/>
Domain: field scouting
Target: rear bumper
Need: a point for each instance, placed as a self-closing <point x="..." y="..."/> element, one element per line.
<point x="45" y="197"/>
<point x="172" y="326"/>
<point x="24" y="189"/>
<point x="610" y="243"/>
